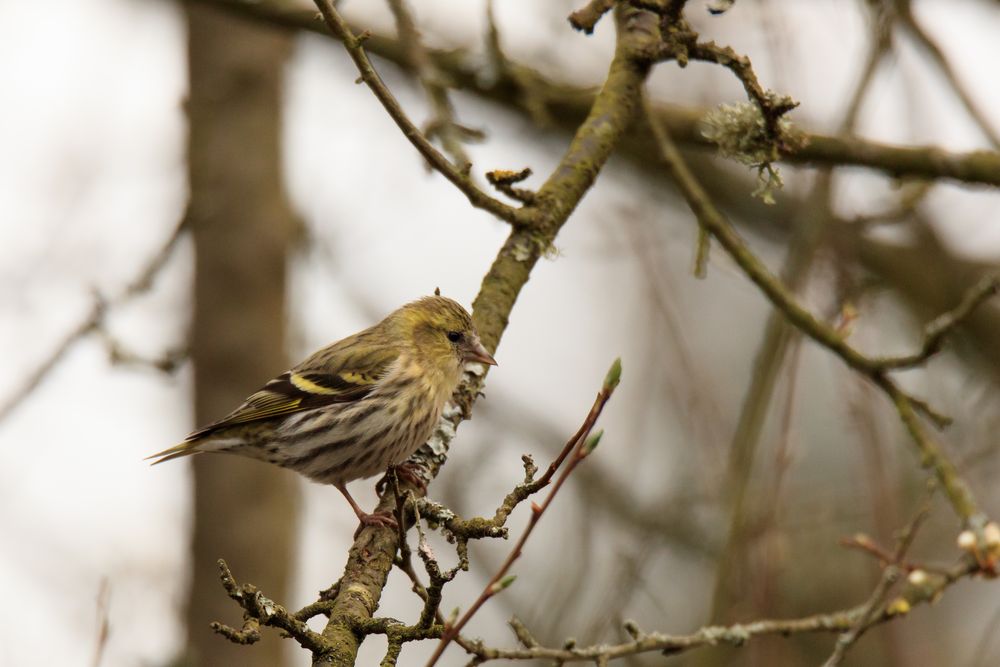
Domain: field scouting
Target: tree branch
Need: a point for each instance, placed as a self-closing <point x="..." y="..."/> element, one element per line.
<point x="94" y="322"/>
<point x="737" y="634"/>
<point x="443" y="124"/>
<point x="937" y="330"/>
<point x="373" y="553"/>
<point x="708" y="215"/>
<point x="460" y="179"/>
<point x="577" y="448"/>
<point x="909" y="23"/>
<point x="568" y="105"/>
<point x="891" y="572"/>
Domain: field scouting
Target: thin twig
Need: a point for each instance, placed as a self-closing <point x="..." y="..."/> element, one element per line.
<point x="890" y="574"/>
<point x="773" y="107"/>
<point x="103" y="625"/>
<point x="522" y="633"/>
<point x="581" y="445"/>
<point x="937" y="56"/>
<point x="957" y="492"/>
<point x="443" y="121"/>
<point x="259" y="610"/>
<point x="431" y="612"/>
<point x="567" y="105"/>
<point x="94" y="321"/>
<point x="460" y="179"/>
<point x="733" y="635"/>
<point x="938" y="329"/>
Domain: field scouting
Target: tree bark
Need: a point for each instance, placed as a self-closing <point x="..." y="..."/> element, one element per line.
<point x="241" y="222"/>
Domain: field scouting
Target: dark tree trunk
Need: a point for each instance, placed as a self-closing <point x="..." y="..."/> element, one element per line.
<point x="244" y="511"/>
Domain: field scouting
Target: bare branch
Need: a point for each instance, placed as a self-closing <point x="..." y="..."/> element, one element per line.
<point x="890" y="574"/>
<point x="937" y="56"/>
<point x="443" y="121"/>
<point x="580" y="445"/>
<point x="460" y="179"/>
<point x="937" y="330"/>
<point x="568" y="105"/>
<point x="733" y="635"/>
<point x="94" y="322"/>
<point x="373" y="553"/>
<point x="708" y="215"/>
<point x="260" y="610"/>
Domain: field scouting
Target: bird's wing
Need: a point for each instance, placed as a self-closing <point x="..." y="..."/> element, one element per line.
<point x="342" y="373"/>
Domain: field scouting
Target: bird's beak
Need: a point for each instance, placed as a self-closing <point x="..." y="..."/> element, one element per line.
<point x="476" y="352"/>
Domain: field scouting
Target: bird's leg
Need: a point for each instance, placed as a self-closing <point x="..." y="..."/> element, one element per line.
<point x="366" y="519"/>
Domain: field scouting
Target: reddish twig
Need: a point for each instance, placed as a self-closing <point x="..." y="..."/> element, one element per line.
<point x="580" y="446"/>
<point x="874" y="606"/>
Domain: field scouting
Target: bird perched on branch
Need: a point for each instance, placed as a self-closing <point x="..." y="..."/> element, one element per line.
<point x="356" y="407"/>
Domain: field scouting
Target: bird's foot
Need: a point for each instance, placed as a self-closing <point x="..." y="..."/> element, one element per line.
<point x="384" y="519"/>
<point x="378" y="519"/>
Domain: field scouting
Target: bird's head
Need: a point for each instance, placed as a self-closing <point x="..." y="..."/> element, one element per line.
<point x="441" y="332"/>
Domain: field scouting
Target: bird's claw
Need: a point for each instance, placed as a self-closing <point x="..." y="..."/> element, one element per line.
<point x="383" y="519"/>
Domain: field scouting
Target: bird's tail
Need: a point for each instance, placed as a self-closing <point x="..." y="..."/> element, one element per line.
<point x="197" y="443"/>
<point x="186" y="448"/>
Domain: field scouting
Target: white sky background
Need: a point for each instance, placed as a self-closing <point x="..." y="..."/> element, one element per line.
<point x="92" y="181"/>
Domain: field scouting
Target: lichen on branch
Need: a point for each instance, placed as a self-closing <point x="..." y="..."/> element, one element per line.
<point x="741" y="132"/>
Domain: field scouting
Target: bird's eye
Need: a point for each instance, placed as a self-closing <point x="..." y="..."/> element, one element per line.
<point x="454" y="336"/>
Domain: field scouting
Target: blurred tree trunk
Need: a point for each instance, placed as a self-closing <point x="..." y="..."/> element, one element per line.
<point x="244" y="511"/>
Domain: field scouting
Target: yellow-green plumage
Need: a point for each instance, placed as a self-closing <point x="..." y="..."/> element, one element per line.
<point x="357" y="406"/>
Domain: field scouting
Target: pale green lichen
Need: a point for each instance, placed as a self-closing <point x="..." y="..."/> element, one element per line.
<point x="445" y="431"/>
<point x="736" y="635"/>
<point x="522" y="251"/>
<point x="768" y="180"/>
<point x="740" y="132"/>
<point x="525" y="249"/>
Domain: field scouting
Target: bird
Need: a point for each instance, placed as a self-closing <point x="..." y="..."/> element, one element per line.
<point x="357" y="407"/>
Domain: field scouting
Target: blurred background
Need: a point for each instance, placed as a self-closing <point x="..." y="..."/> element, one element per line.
<point x="191" y="201"/>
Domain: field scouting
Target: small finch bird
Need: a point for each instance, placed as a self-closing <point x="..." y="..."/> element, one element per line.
<point x="356" y="407"/>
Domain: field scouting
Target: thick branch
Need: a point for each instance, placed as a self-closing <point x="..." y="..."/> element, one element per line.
<point x="567" y="105"/>
<point x="372" y="555"/>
